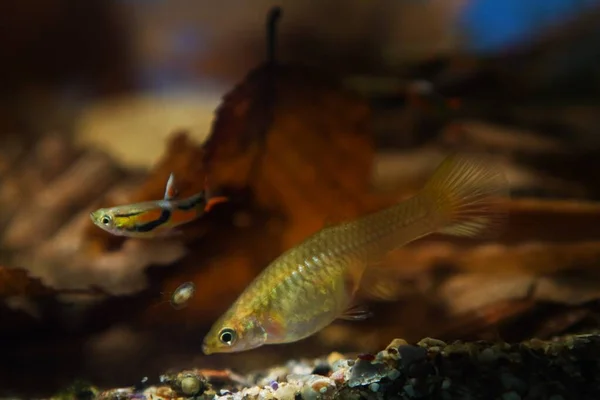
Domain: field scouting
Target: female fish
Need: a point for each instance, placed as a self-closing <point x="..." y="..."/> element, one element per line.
<point x="155" y="218"/>
<point x="314" y="283"/>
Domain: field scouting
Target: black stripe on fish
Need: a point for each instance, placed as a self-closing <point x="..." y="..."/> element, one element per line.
<point x="148" y="226"/>
<point x="191" y="202"/>
<point x="130" y="214"/>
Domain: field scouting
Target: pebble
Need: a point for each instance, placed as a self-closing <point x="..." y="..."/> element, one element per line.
<point x="338" y="376"/>
<point x="365" y="372"/>
<point x="410" y="354"/>
<point x="393" y="374"/>
<point x="333" y="357"/>
<point x="286" y="392"/>
<point x="430" y="343"/>
<point x="512" y="395"/>
<point x="253" y="391"/>
<point x="487" y="356"/>
<point x="190" y="385"/>
<point x="297" y="368"/>
<point x="313" y="387"/>
<point x="409" y="390"/>
<point x="340" y="364"/>
<point x="321" y="369"/>
<point x="556" y="397"/>
<point x="396" y="343"/>
<point x="510" y="381"/>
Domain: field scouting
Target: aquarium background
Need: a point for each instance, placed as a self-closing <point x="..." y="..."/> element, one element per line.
<point x="101" y="100"/>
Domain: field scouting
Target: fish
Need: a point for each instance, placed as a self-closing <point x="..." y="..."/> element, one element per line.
<point x="157" y="218"/>
<point x="314" y="283"/>
<point x="182" y="295"/>
<point x="179" y="297"/>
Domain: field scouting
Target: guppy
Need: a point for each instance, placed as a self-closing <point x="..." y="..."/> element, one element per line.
<point x="182" y="295"/>
<point x="156" y="218"/>
<point x="309" y="286"/>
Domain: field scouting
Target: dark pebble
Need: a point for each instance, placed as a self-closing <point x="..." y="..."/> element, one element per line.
<point x="321" y="369"/>
<point x="409" y="354"/>
<point x="366" y="357"/>
<point x="421" y="370"/>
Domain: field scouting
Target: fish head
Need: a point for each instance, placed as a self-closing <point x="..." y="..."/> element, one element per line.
<point x="232" y="334"/>
<point x="104" y="218"/>
<point x="122" y="220"/>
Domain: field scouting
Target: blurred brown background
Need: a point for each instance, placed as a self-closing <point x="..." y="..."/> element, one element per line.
<point x="101" y="100"/>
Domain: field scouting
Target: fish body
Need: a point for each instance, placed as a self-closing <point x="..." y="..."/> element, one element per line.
<point x="314" y="283"/>
<point x="182" y="295"/>
<point x="154" y="218"/>
<point x="179" y="298"/>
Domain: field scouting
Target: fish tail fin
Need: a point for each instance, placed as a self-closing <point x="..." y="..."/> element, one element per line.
<point x="466" y="193"/>
<point x="211" y="198"/>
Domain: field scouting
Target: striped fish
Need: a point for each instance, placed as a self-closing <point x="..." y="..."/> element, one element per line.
<point x="155" y="218"/>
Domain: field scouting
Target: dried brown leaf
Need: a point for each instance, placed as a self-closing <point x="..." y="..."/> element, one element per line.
<point x="314" y="166"/>
<point x="18" y="282"/>
<point x="307" y="155"/>
<point x="26" y="171"/>
<point x="83" y="181"/>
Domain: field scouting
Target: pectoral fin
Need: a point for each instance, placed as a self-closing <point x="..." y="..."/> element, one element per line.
<point x="357" y="312"/>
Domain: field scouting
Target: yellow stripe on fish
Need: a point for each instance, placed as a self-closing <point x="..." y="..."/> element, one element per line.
<point x="314" y="283"/>
<point x="155" y="218"/>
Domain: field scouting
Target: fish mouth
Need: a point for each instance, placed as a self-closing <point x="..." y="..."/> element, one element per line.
<point x="206" y="349"/>
<point x="94" y="216"/>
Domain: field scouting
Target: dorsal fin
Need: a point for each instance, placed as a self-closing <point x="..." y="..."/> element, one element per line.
<point x="170" y="189"/>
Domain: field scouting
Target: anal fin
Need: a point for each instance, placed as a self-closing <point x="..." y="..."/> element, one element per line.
<point x="390" y="278"/>
<point x="380" y="289"/>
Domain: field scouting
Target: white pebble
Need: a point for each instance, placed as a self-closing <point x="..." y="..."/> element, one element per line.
<point x="374" y="387"/>
<point x="286" y="391"/>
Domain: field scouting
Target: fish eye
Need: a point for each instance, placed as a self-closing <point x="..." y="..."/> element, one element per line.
<point x="227" y="336"/>
<point x="105" y="220"/>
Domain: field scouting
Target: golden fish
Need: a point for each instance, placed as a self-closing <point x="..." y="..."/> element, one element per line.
<point x="314" y="283"/>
